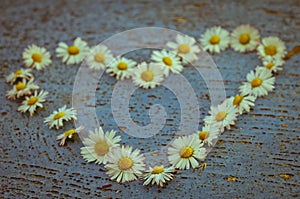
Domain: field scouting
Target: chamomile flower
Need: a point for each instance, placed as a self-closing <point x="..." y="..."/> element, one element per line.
<point x="184" y="152"/>
<point x="271" y="47"/>
<point x="208" y="134"/>
<point x="68" y="134"/>
<point x="222" y="115"/>
<point x="121" y="67"/>
<point x="98" y="144"/>
<point x="158" y="174"/>
<point x="99" y="58"/>
<point x="36" y="57"/>
<point x="185" y="47"/>
<point x="169" y="60"/>
<point x="124" y="164"/>
<point x="22" y="88"/>
<point x="273" y="64"/>
<point x="259" y="83"/>
<point x="215" y="39"/>
<point x="148" y="75"/>
<point x="62" y="114"/>
<point x="72" y="54"/>
<point x="33" y="102"/>
<point x="244" y="38"/>
<point x="19" y="74"/>
<point x="242" y="103"/>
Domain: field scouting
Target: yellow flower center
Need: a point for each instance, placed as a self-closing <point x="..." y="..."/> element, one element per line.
<point x="256" y="82"/>
<point x="36" y="57"/>
<point x="244" y="38"/>
<point x="58" y="115"/>
<point x="18" y="72"/>
<point x="215" y="39"/>
<point x="32" y="101"/>
<point x="237" y="100"/>
<point x="168" y="61"/>
<point x="157" y="170"/>
<point x="20" y="86"/>
<point x="184" y="48"/>
<point x="73" y="50"/>
<point x="101" y="148"/>
<point x="99" y="57"/>
<point x="125" y="163"/>
<point x="69" y="132"/>
<point x="186" y="152"/>
<point x="221" y="116"/>
<point x="122" y="66"/>
<point x="271" y="50"/>
<point x="147" y="76"/>
<point x="203" y="135"/>
<point x="270" y="65"/>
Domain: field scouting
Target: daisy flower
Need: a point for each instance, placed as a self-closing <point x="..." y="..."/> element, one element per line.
<point x="184" y="152"/>
<point x="215" y="39"/>
<point x="222" y="115"/>
<point x="22" y="88"/>
<point x="57" y="117"/>
<point x="98" y="144"/>
<point x="121" y="67"/>
<point x="72" y="54"/>
<point x="148" y="75"/>
<point x="124" y="164"/>
<point x="19" y="74"/>
<point x="99" y="57"/>
<point x="169" y="60"/>
<point x="185" y="47"/>
<point x="273" y="64"/>
<point x="208" y="134"/>
<point x="158" y="174"/>
<point x="271" y="47"/>
<point x="258" y="84"/>
<point x="68" y="134"/>
<point x="31" y="103"/>
<point x="242" y="103"/>
<point x="36" y="57"/>
<point x="244" y="38"/>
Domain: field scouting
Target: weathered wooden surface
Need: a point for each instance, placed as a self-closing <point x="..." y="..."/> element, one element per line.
<point x="248" y="160"/>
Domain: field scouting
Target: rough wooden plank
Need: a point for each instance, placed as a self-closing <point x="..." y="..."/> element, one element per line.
<point x="256" y="159"/>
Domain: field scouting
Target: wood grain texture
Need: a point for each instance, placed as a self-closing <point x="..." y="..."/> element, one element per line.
<point x="258" y="158"/>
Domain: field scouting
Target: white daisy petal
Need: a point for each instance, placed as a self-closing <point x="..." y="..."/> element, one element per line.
<point x="31" y="103"/>
<point x="36" y="57"/>
<point x="57" y="117"/>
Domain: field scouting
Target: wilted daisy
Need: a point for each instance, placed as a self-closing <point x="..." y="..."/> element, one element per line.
<point x="242" y="103"/>
<point x="222" y="115"/>
<point x="72" y="54"/>
<point x="271" y="47"/>
<point x="62" y="114"/>
<point x="158" y="175"/>
<point x="98" y="144"/>
<point x="167" y="59"/>
<point x="121" y="67"/>
<point x="184" y="152"/>
<point x="31" y="103"/>
<point x="68" y="134"/>
<point x="258" y="84"/>
<point x="185" y="47"/>
<point x="215" y="39"/>
<point x="244" y="38"/>
<point x="208" y="133"/>
<point x="99" y="58"/>
<point x="124" y="164"/>
<point x="273" y="64"/>
<point x="148" y="75"/>
<point x="19" y="74"/>
<point x="36" y="57"/>
<point x="22" y="88"/>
